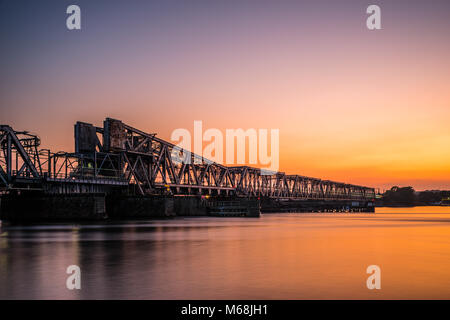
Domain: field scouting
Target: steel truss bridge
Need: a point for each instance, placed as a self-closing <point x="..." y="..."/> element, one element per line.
<point x="118" y="156"/>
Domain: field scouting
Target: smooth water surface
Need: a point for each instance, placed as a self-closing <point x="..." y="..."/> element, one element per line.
<point x="277" y="256"/>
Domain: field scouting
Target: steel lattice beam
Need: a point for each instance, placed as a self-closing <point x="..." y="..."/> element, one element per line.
<point x="119" y="154"/>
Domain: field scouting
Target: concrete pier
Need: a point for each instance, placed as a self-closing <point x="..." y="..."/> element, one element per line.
<point x="139" y="207"/>
<point x="52" y="207"/>
<point x="79" y="207"/>
<point x="190" y="206"/>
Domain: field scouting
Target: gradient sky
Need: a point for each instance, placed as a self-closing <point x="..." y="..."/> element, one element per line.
<point x="354" y="105"/>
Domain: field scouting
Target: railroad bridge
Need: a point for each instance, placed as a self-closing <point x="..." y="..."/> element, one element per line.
<point x="117" y="161"/>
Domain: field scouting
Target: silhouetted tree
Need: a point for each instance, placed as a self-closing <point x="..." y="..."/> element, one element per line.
<point x="429" y="197"/>
<point x="400" y="196"/>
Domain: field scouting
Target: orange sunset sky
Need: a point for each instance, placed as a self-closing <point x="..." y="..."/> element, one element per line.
<point x="354" y="105"/>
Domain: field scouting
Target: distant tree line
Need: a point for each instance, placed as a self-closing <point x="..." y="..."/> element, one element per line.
<point x="408" y="196"/>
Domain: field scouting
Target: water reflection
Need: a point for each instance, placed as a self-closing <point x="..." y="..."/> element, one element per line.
<point x="279" y="256"/>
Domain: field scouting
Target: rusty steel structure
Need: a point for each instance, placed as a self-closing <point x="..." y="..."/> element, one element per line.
<point x="120" y="157"/>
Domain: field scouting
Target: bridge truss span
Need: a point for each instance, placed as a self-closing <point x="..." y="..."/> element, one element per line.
<point x="120" y="155"/>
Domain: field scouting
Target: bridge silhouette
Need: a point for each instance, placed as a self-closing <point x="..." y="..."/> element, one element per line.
<point x="119" y="158"/>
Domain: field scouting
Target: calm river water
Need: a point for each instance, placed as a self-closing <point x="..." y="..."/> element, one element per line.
<point x="277" y="256"/>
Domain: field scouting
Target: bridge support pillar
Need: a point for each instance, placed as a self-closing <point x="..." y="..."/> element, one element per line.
<point x="38" y="207"/>
<point x="139" y="207"/>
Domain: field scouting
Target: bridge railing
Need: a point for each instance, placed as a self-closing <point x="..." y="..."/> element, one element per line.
<point x="82" y="167"/>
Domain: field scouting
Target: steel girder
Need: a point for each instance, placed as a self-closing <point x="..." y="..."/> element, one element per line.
<point x="154" y="163"/>
<point x="123" y="154"/>
<point x="19" y="156"/>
